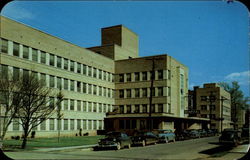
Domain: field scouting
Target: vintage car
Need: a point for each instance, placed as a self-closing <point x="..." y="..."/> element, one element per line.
<point x="230" y="137"/>
<point x="144" y="138"/>
<point x="202" y="132"/>
<point x="115" y="140"/>
<point x="165" y="135"/>
<point x="194" y="133"/>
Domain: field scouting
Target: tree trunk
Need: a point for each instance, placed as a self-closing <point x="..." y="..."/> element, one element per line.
<point x="25" y="136"/>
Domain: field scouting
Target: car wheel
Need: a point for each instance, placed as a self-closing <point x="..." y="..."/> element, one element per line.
<point x="129" y="146"/>
<point x="118" y="147"/>
<point x="143" y="143"/>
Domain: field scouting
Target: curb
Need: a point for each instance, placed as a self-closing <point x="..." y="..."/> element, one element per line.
<point x="66" y="148"/>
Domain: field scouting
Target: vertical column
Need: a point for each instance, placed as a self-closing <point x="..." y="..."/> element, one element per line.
<point x="10" y="48"/>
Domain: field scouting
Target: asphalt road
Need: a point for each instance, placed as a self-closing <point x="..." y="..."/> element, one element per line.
<point x="190" y="149"/>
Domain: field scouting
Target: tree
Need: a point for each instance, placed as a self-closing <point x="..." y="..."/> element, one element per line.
<point x="35" y="106"/>
<point x="59" y="114"/>
<point x="238" y="101"/>
<point x="9" y="102"/>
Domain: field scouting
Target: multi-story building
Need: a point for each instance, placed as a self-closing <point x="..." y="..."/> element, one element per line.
<point x="98" y="80"/>
<point x="213" y="102"/>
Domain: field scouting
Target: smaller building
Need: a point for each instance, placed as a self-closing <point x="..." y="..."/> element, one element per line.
<point x="212" y="102"/>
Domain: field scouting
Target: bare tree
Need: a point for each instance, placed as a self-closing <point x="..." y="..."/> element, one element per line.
<point x="9" y="102"/>
<point x="35" y="106"/>
<point x="59" y="114"/>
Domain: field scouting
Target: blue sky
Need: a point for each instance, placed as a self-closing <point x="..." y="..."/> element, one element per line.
<point x="210" y="37"/>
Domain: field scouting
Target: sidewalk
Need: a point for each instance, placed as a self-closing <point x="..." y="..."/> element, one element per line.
<point x="65" y="148"/>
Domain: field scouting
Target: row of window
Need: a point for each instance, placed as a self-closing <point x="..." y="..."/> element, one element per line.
<point x="208" y="116"/>
<point x="144" y="92"/>
<point x="144" y="108"/>
<point x="59" y="82"/>
<point x="207" y="108"/>
<point x="42" y="57"/>
<point x="143" y="76"/>
<point x="64" y="124"/>
<point x="77" y="105"/>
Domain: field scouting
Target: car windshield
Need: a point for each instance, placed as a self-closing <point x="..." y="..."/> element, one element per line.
<point x="112" y="134"/>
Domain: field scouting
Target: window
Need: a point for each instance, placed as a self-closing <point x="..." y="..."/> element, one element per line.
<point x="121" y="78"/>
<point x="160" y="74"/>
<point x="94" y="73"/>
<point x="169" y="91"/>
<point x="4" y="71"/>
<point x="51" y="60"/>
<point x="51" y="124"/>
<point x="78" y="68"/>
<point x="65" y="105"/>
<point x="212" y="107"/>
<point x="100" y="107"/>
<point x="128" y="93"/>
<point x="72" y="85"/>
<point x="72" y="124"/>
<point x="160" y="108"/>
<point x="144" y="108"/>
<point x="89" y="89"/>
<point x="137" y="108"/>
<point x="25" y="74"/>
<point x="43" y="125"/>
<point x="66" y="84"/>
<point x="90" y="125"/>
<point x="59" y="83"/>
<point x="94" y="107"/>
<point x="153" y="108"/>
<point x="78" y="86"/>
<point x="84" y="103"/>
<point x="144" y="92"/>
<point x="84" y="87"/>
<point x="169" y="108"/>
<point x="168" y="74"/>
<point x="59" y="62"/>
<point x="160" y="91"/>
<point x="78" y="105"/>
<point x="4" y="46"/>
<point x="66" y="64"/>
<point x="66" y="124"/>
<point x="84" y="69"/>
<point x="78" y="124"/>
<point x="100" y="74"/>
<point x="104" y="108"/>
<point x="121" y="93"/>
<point x="84" y="124"/>
<point x="203" y="107"/>
<point x="43" y="79"/>
<point x="15" y="124"/>
<point x="203" y="116"/>
<point x="100" y="124"/>
<point x="128" y="77"/>
<point x="121" y="109"/>
<point x="89" y="107"/>
<point x="94" y="90"/>
<point x="144" y="76"/>
<point x="128" y="108"/>
<point x="51" y="81"/>
<point x="137" y="76"/>
<point x="203" y="98"/>
<point x="72" y="105"/>
<point x="25" y="52"/>
<point x="43" y="57"/>
<point x="72" y="66"/>
<point x="137" y="92"/>
<point x="100" y="91"/>
<point x="34" y="55"/>
<point x="35" y="74"/>
<point x="89" y="71"/>
<point x="104" y="91"/>
<point x="15" y="49"/>
<point x="16" y="74"/>
<point x="153" y="91"/>
<point x="104" y="75"/>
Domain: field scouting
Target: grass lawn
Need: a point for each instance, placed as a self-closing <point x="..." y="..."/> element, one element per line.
<point x="51" y="142"/>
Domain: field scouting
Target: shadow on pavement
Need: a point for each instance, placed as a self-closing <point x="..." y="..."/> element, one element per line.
<point x="217" y="151"/>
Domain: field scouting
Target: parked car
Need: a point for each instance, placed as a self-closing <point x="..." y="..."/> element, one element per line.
<point x="115" y="140"/>
<point x="202" y="132"/>
<point x="230" y="136"/>
<point x="181" y="135"/>
<point x="210" y="132"/>
<point x="194" y="134"/>
<point x="165" y="135"/>
<point x="144" y="138"/>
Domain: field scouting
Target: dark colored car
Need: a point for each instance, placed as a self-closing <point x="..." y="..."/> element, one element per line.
<point x="202" y="132"/>
<point x="144" y="138"/>
<point x="230" y="136"/>
<point x="115" y="140"/>
<point x="194" y="134"/>
<point x="210" y="132"/>
<point x="181" y="135"/>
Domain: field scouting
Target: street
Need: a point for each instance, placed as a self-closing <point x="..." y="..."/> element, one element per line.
<point x="202" y="148"/>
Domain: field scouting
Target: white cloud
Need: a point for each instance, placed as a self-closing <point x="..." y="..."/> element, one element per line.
<point x="16" y="11"/>
<point x="242" y="77"/>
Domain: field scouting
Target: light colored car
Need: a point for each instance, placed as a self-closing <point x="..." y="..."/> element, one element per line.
<point x="165" y="135"/>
